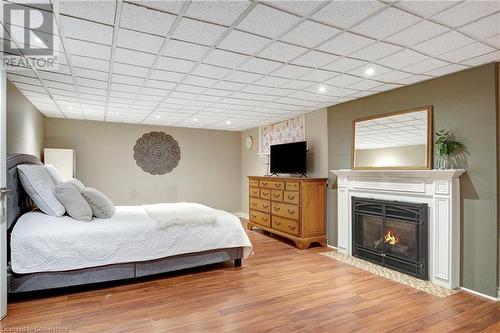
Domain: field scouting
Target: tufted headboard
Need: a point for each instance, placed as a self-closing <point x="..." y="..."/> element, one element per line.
<point x="18" y="201"/>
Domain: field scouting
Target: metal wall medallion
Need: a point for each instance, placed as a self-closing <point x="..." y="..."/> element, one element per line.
<point x="157" y="153"/>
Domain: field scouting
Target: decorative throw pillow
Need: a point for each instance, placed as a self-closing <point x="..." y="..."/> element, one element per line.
<point x="101" y="206"/>
<point x="40" y="188"/>
<point x="74" y="203"/>
<point x="77" y="183"/>
<point x="56" y="176"/>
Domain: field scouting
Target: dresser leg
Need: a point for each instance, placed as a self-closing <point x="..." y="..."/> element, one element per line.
<point x="302" y="245"/>
<point x="237" y="262"/>
<point x="249" y="226"/>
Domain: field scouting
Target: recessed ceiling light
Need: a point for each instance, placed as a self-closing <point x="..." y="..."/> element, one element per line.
<point x="117" y="113"/>
<point x="157" y="116"/>
<point x="321" y="89"/>
<point x="369" y="71"/>
<point x="70" y="108"/>
<point x="195" y="119"/>
<point x="228" y="122"/>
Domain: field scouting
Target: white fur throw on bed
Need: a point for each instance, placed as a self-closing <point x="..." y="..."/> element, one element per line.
<point x="181" y="214"/>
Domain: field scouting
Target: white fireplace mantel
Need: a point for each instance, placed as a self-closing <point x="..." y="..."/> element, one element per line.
<point x="439" y="189"/>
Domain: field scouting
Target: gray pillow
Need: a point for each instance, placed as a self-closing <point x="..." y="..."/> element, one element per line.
<point x="40" y="187"/>
<point x="54" y="174"/>
<point x="74" y="203"/>
<point x="101" y="206"/>
<point x="77" y="183"/>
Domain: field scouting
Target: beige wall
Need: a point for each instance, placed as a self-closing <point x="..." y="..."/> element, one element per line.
<point x="317" y="156"/>
<point x="464" y="103"/>
<point x="208" y="172"/>
<point x="403" y="156"/>
<point x="25" y="124"/>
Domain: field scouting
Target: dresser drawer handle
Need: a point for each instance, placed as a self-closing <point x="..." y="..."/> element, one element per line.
<point x="264" y="219"/>
<point x="276" y="195"/>
<point x="265" y="206"/>
<point x="265" y="194"/>
<point x="277" y="185"/>
<point x="291" y="197"/>
<point x="254" y="204"/>
<point x="264" y="184"/>
<point x="292" y="228"/>
<point x="276" y="209"/>
<point x="277" y="223"/>
<point x="254" y="216"/>
<point x="291" y="211"/>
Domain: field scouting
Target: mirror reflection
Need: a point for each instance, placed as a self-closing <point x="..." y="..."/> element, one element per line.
<point x="394" y="141"/>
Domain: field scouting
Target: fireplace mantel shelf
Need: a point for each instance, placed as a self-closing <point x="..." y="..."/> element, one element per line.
<point x="428" y="174"/>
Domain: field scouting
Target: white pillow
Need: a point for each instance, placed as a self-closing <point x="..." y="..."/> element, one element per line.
<point x="76" y="206"/>
<point x="40" y="188"/>
<point x="54" y="174"/>
<point x="77" y="183"/>
<point x="101" y="206"/>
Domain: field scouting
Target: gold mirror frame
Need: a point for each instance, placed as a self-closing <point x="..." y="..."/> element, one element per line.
<point x="430" y="143"/>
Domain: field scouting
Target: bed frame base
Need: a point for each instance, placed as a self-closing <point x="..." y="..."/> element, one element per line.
<point x="21" y="283"/>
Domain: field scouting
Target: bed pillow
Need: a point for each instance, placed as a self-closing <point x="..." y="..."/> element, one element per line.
<point x="77" y="183"/>
<point x="101" y="206"/>
<point x="74" y="203"/>
<point x="40" y="187"/>
<point x="54" y="173"/>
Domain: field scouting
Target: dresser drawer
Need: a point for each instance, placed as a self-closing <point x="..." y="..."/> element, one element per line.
<point x="277" y="185"/>
<point x="254" y="192"/>
<point x="286" y="210"/>
<point x="277" y="195"/>
<point x="265" y="193"/>
<point x="260" y="204"/>
<point x="260" y="218"/>
<point x="292" y="186"/>
<point x="254" y="182"/>
<point x="265" y="183"/>
<point x="286" y="225"/>
<point x="291" y="197"/>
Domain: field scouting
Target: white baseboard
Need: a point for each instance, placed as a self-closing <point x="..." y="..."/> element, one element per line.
<point x="491" y="298"/>
<point x="241" y="214"/>
<point x="332" y="247"/>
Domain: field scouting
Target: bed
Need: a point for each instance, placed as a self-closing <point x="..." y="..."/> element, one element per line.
<point x="47" y="252"/>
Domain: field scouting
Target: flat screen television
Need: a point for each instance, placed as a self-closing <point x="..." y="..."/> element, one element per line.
<point x="289" y="158"/>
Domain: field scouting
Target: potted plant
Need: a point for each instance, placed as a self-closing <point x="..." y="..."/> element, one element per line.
<point x="446" y="148"/>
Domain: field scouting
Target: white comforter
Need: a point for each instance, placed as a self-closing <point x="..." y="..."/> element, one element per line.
<point x="42" y="243"/>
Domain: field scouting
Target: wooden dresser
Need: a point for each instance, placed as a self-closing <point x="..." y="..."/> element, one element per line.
<point x="294" y="208"/>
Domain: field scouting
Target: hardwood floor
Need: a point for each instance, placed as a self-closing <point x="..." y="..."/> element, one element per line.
<point x="279" y="289"/>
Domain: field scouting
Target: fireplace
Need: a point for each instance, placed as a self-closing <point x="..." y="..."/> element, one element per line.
<point x="392" y="234"/>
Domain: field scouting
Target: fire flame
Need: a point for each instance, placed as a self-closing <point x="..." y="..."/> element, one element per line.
<point x="391" y="238"/>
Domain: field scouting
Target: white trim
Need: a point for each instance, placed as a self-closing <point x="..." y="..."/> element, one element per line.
<point x="491" y="298"/>
<point x="241" y="214"/>
<point x="332" y="247"/>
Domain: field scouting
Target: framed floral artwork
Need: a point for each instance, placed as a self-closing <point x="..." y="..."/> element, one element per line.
<point x="291" y="130"/>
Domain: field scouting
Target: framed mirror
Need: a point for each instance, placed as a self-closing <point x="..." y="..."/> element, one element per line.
<point x="398" y="140"/>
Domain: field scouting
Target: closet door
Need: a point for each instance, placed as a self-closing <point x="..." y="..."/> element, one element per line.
<point x="3" y="193"/>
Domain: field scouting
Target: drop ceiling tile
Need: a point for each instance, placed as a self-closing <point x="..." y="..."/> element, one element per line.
<point x="365" y="85"/>
<point x="261" y="66"/>
<point x="301" y="8"/>
<point x="30" y="87"/>
<point x="117" y="78"/>
<point x="243" y="42"/>
<point x="171" y="6"/>
<point x="90" y="63"/>
<point x="297" y="84"/>
<point x="184" y="50"/>
<point x="158" y="74"/>
<point x="484" y="28"/>
<point x="125" y="88"/>
<point x="282" y="52"/>
<point x="309" y="34"/>
<point x="392" y="76"/>
<point x="134" y="57"/>
<point x="402" y="59"/>
<point x="484" y="59"/>
<point x="200" y="81"/>
<point x="174" y="64"/>
<point x="467" y="52"/>
<point x="446" y="70"/>
<point x="198" y="32"/>
<point x="164" y="85"/>
<point x="425" y="66"/>
<point x="315" y="59"/>
<point x="346" y="13"/>
<point x="220" y="12"/>
<point x="190" y="89"/>
<point x="122" y="94"/>
<point x="267" y="21"/>
<point x="318" y="75"/>
<point x="92" y="74"/>
<point x="88" y="49"/>
<point x="376" y="51"/>
<point x="137" y="71"/>
<point x="343" y="80"/>
<point x="23" y="79"/>
<point x="291" y="71"/>
<point x="271" y="81"/>
<point x="54" y="76"/>
<point x="244" y="77"/>
<point x="181" y="95"/>
<point x="425" y="8"/>
<point x="224" y="58"/>
<point x="85" y="30"/>
<point x="90" y="90"/>
<point x="86" y="96"/>
<point x="417" y="33"/>
<point x="139" y="41"/>
<point x="146" y="20"/>
<point x="494" y="40"/>
<point x="98" y="11"/>
<point x="414" y="79"/>
<point x="91" y="83"/>
<point x="345" y="44"/>
<point x="385" y="23"/>
<point x="444" y="43"/>
<point x="255" y="89"/>
<point x="211" y="71"/>
<point x="229" y="85"/>
<point x="344" y="65"/>
<point x="466" y="12"/>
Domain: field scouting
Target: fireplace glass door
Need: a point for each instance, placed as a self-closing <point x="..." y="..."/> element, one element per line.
<point x="392" y="234"/>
